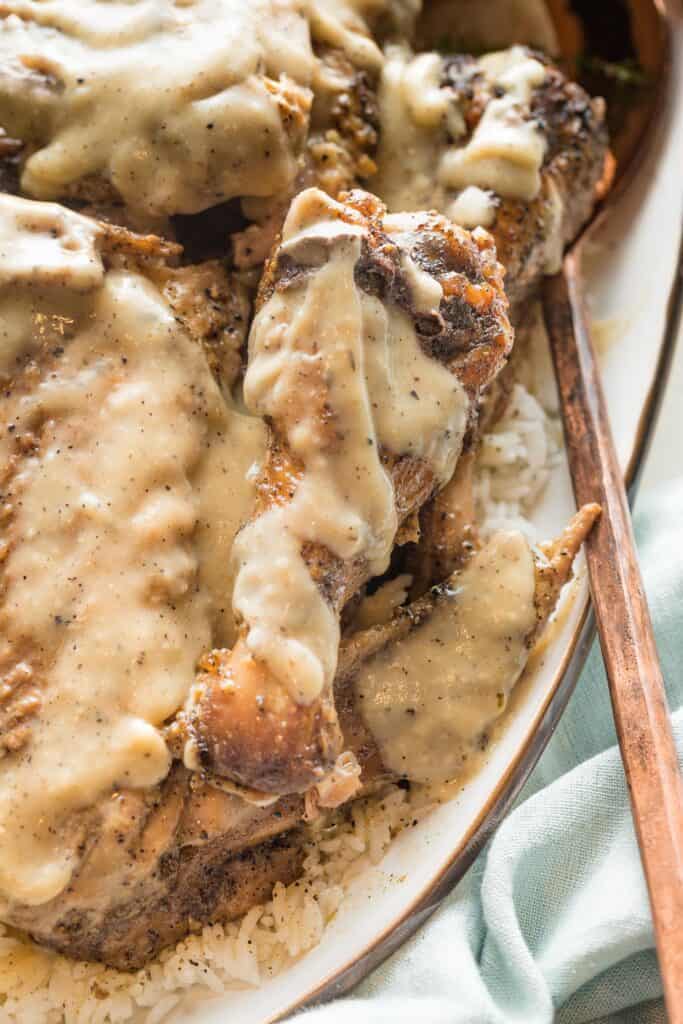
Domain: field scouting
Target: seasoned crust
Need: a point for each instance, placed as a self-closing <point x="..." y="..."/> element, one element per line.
<point x="470" y="333"/>
<point x="188" y="854"/>
<point x="210" y="302"/>
<point x="243" y="720"/>
<point x="176" y="859"/>
<point x="215" y="308"/>
<point x="526" y="233"/>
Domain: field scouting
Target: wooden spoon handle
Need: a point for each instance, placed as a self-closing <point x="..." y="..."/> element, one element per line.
<point x="624" y="625"/>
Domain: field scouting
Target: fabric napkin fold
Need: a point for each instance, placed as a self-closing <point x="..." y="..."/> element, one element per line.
<point x="552" y="922"/>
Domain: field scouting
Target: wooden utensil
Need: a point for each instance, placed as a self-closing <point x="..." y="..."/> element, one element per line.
<point x="624" y="625"/>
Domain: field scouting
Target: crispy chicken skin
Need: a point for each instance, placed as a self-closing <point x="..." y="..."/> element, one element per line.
<point x="531" y="232"/>
<point x="471" y="334"/>
<point x="244" y="722"/>
<point x="215" y="309"/>
<point x="212" y="305"/>
<point x="528" y="238"/>
<point x="447" y="529"/>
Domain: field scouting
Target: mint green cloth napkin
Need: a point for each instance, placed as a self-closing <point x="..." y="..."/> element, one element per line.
<point x="552" y="922"/>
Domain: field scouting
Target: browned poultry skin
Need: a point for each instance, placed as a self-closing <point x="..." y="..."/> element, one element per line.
<point x="448" y="528"/>
<point x="553" y="569"/>
<point x="448" y="520"/>
<point x="252" y="724"/>
<point x="212" y="305"/>
<point x="245" y="723"/>
<point x="187" y="854"/>
<point x="559" y="554"/>
<point x="215" y="309"/>
<point x="175" y="858"/>
<point x="574" y="126"/>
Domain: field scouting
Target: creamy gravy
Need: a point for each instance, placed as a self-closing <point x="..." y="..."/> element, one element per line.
<point x="344" y="26"/>
<point x="179" y="103"/>
<point x="428" y="699"/>
<point x="410" y="146"/>
<point x="506" y="150"/>
<point x="379" y="608"/>
<point x="474" y="207"/>
<point x="343" y="375"/>
<point x="425" y="160"/>
<point x="225" y="484"/>
<point x="123" y="486"/>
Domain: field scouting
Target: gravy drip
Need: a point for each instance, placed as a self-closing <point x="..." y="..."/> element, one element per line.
<point x="343" y="25"/>
<point x="181" y="104"/>
<point x="343" y="376"/>
<point x="425" y="159"/>
<point x="117" y="463"/>
<point x="507" y="148"/>
<point x="429" y="698"/>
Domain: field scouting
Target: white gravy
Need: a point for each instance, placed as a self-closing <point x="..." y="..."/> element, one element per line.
<point x="474" y="207"/>
<point x="343" y="25"/>
<point x="412" y="135"/>
<point x="429" y="698"/>
<point x="123" y="504"/>
<point x="325" y="344"/>
<point x="175" y="101"/>
<point x="225" y="486"/>
<point x="180" y="104"/>
<point x="506" y="150"/>
<point x="424" y="159"/>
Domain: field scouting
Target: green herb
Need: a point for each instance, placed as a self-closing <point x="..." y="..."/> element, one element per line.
<point x="624" y="72"/>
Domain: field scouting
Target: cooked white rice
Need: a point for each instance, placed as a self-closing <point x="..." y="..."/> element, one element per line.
<point x="40" y="987"/>
<point x="514" y="463"/>
<point x="518" y="455"/>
